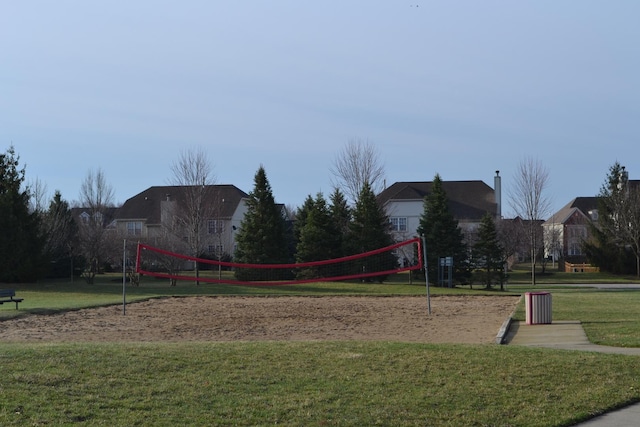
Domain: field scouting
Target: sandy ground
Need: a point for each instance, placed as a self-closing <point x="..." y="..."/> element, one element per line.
<point x="465" y="319"/>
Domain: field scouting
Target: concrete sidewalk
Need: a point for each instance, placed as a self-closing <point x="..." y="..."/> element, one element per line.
<point x="569" y="335"/>
<point x="564" y="335"/>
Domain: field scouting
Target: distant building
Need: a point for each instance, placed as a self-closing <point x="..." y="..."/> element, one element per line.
<point x="566" y="230"/>
<point x="469" y="201"/>
<point x="146" y="214"/>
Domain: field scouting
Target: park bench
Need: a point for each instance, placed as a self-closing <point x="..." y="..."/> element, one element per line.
<point x="7" y="295"/>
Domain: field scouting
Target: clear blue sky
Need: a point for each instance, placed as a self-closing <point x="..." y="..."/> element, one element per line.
<point x="457" y="88"/>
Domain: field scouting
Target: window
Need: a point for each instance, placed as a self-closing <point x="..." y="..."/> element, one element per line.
<point x="575" y="249"/>
<point x="398" y="223"/>
<point x="84" y="217"/>
<point x="134" y="228"/>
<point x="214" y="226"/>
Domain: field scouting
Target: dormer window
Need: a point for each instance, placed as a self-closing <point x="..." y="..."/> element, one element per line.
<point x="84" y="217"/>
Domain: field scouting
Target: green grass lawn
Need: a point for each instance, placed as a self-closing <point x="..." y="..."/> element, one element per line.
<point x="521" y="275"/>
<point x="311" y="384"/>
<point x="314" y="383"/>
<point x="609" y="317"/>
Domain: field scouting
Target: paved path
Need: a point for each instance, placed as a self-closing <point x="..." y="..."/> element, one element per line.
<point x="569" y="335"/>
<point x="565" y="335"/>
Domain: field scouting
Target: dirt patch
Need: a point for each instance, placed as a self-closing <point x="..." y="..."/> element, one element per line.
<point x="464" y="319"/>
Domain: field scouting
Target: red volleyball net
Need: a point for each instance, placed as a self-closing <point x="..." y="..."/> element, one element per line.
<point x="374" y="265"/>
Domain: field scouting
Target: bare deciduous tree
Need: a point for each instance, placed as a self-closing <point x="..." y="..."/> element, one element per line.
<point x="511" y="234"/>
<point x="96" y="197"/>
<point x="358" y="163"/>
<point x="630" y="231"/>
<point x="38" y="191"/>
<point x="194" y="173"/>
<point x="529" y="201"/>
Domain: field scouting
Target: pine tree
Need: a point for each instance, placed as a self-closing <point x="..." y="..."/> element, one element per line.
<point x="607" y="248"/>
<point x="319" y="239"/>
<point x="488" y="252"/>
<point x="341" y="218"/>
<point x="262" y="237"/>
<point x="370" y="230"/>
<point x="21" y="242"/>
<point x="61" y="231"/>
<point x="301" y="216"/>
<point x="440" y="229"/>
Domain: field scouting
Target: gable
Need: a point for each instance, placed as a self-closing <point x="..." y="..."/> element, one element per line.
<point x="467" y="200"/>
<point x="583" y="205"/>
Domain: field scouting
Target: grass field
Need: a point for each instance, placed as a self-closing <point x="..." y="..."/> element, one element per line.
<point x="315" y="383"/>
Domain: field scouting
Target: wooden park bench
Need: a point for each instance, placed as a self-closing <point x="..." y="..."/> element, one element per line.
<point x="7" y="295"/>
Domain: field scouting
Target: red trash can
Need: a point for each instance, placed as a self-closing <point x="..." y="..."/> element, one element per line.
<point x="537" y="308"/>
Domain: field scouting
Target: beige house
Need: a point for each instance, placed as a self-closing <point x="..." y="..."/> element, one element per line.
<point x="151" y="214"/>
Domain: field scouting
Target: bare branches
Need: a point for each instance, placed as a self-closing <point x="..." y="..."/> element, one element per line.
<point x="358" y="163"/>
<point x="38" y="191"/>
<point x="528" y="198"/>
<point x="624" y="222"/>
<point x="194" y="172"/>
<point x="530" y="202"/>
<point x="192" y="168"/>
<point x="95" y="193"/>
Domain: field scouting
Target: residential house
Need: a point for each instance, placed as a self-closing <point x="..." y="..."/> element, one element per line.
<point x="149" y="214"/>
<point x="566" y="230"/>
<point x="469" y="201"/>
<point x="105" y="216"/>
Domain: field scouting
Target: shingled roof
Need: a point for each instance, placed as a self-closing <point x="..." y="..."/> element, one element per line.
<point x="468" y="200"/>
<point x="147" y="205"/>
<point x="583" y="204"/>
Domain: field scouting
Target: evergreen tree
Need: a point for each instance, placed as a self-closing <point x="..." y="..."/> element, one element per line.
<point x="61" y="232"/>
<point x="341" y="218"/>
<point x="262" y="237"/>
<point x="608" y="249"/>
<point x="21" y="242"/>
<point x="488" y="252"/>
<point x="370" y="230"/>
<point x="301" y="216"/>
<point x="442" y="236"/>
<point x="319" y="239"/>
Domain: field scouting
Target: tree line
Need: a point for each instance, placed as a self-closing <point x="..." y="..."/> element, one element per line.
<point x="54" y="241"/>
<point x="39" y="241"/>
<point x="51" y="240"/>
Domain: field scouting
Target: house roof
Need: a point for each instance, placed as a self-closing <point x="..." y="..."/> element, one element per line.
<point x="147" y="204"/>
<point x="109" y="213"/>
<point x="582" y="204"/>
<point x="468" y="200"/>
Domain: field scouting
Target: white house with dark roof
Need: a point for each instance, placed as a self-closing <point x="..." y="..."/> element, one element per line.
<point x="469" y="201"/>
